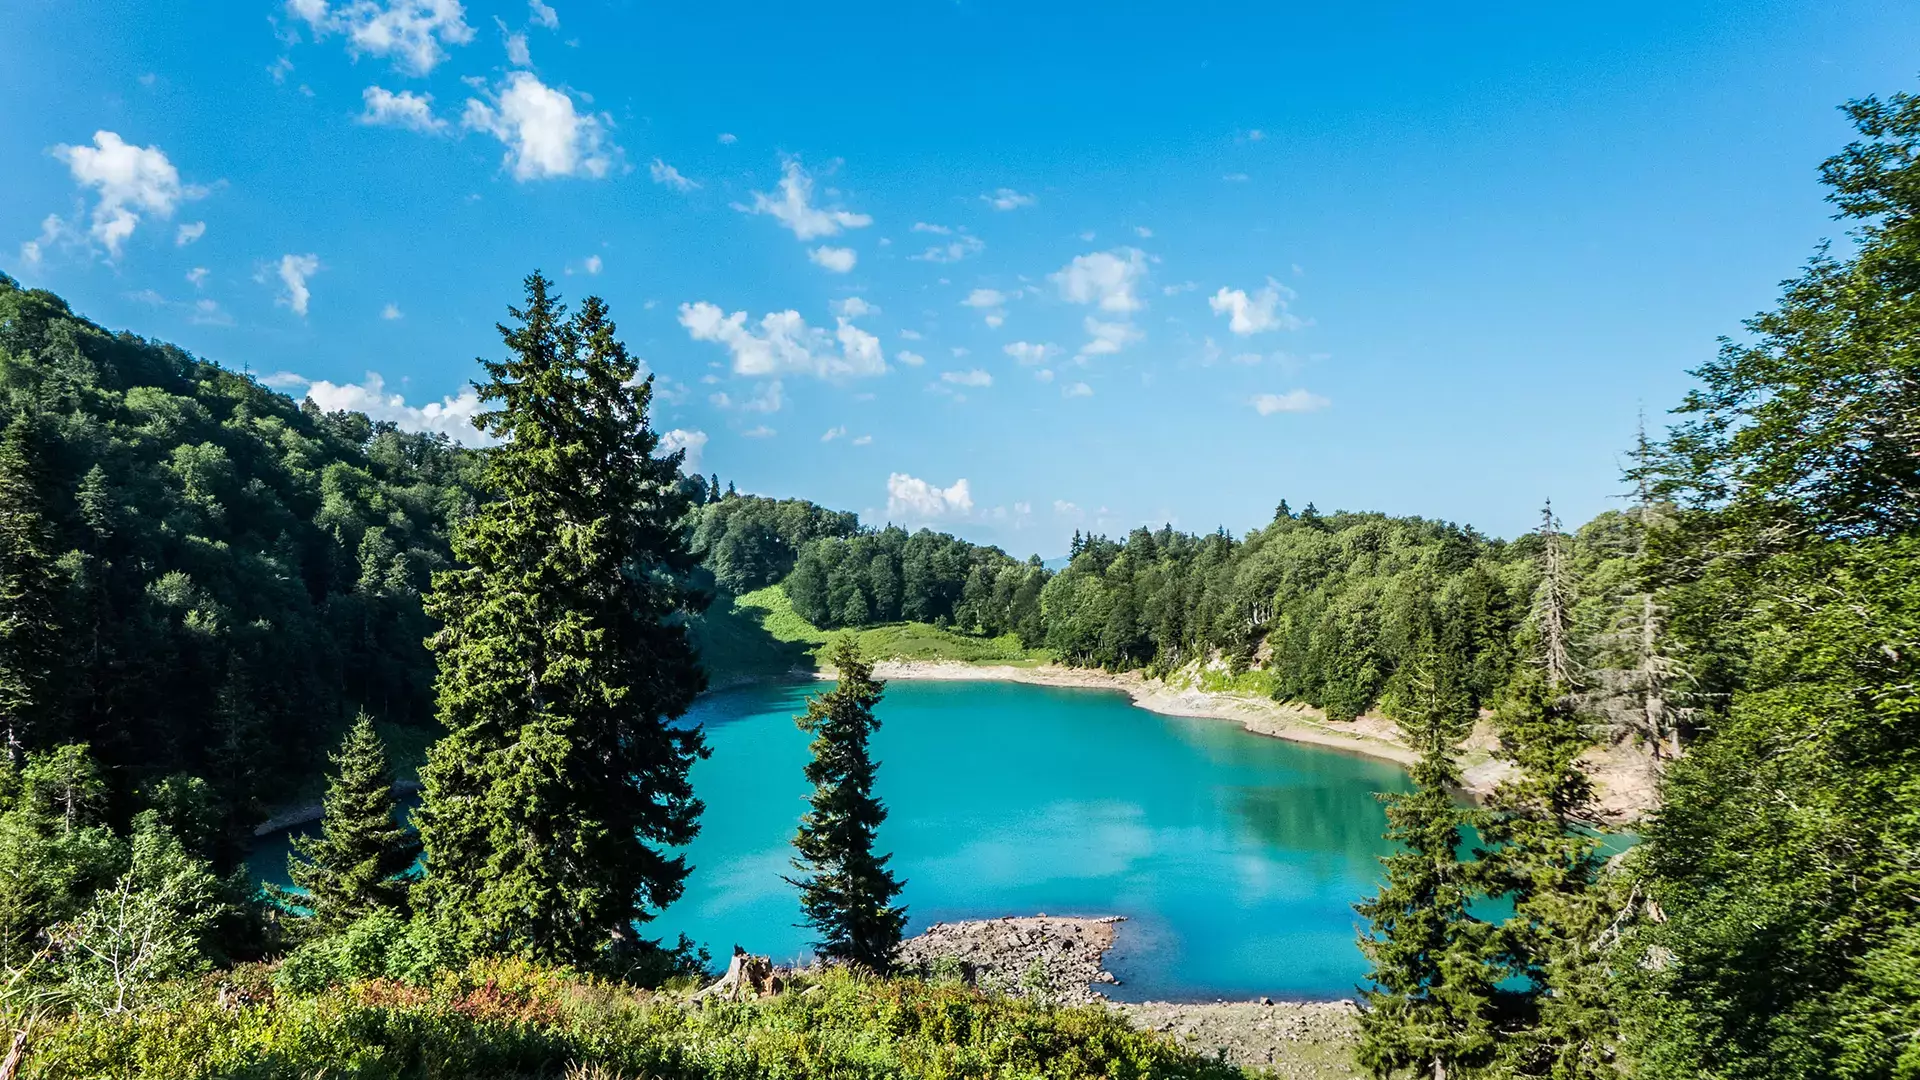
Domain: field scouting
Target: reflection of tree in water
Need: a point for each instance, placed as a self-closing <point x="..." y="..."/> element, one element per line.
<point x="1325" y="820"/>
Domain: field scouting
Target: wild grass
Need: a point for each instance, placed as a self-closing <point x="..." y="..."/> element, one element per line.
<point x="511" y="1020"/>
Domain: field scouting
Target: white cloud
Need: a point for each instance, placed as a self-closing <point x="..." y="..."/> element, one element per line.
<point x="911" y="359"/>
<point x="1065" y="508"/>
<point x="693" y="442"/>
<point x="294" y="270"/>
<point x="208" y="313"/>
<point x="951" y="252"/>
<point x="128" y="180"/>
<point x="1143" y="232"/>
<point x="544" y="134"/>
<point x="937" y="230"/>
<point x="1263" y="311"/>
<point x="451" y="416"/>
<point x="760" y="432"/>
<point x="543" y="15"/>
<point x="794" y="208"/>
<point x="728" y="138"/>
<point x="405" y="109"/>
<point x="1007" y="199"/>
<point x="1044" y="375"/>
<point x="198" y="276"/>
<point x="413" y="32"/>
<point x="837" y="259"/>
<point x="864" y="440"/>
<point x="782" y="343"/>
<point x="1028" y="353"/>
<point x="1293" y="401"/>
<point x="592" y="264"/>
<point x="517" y="52"/>
<point x="985" y="298"/>
<point x="669" y="176"/>
<point x="1079" y="389"/>
<point x="975" y="377"/>
<point x="834" y="433"/>
<point x="187" y="234"/>
<point x="910" y="335"/>
<point x="1105" y="278"/>
<point x="1177" y="289"/>
<point x="853" y="307"/>
<point x="995" y="319"/>
<point x="911" y="497"/>
<point x="391" y="311"/>
<point x="1105" y="338"/>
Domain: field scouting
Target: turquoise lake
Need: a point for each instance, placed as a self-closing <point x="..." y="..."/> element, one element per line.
<point x="1235" y="858"/>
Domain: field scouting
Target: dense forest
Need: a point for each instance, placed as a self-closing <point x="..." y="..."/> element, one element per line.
<point x="204" y="586"/>
<point x="204" y="577"/>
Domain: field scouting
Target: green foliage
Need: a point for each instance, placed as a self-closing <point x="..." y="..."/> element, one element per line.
<point x="510" y="1020"/>
<point x="1431" y="1008"/>
<point x="54" y="850"/>
<point x="846" y="891"/>
<point x="750" y="542"/>
<point x="147" y="928"/>
<point x="1783" y="856"/>
<point x="564" y="655"/>
<point x="1332" y="606"/>
<point x="27" y="594"/>
<point x="927" y="577"/>
<point x="354" y="868"/>
<point x="233" y="574"/>
<point x="380" y="945"/>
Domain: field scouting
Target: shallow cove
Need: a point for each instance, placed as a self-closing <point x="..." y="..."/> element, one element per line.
<point x="1235" y="857"/>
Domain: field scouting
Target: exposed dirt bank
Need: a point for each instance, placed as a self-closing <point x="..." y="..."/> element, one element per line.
<point x="1625" y="780"/>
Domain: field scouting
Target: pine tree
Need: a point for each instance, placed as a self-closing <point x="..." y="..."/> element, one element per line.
<point x="1645" y="692"/>
<point x="847" y="891"/>
<point x="563" y="656"/>
<point x="1553" y="605"/>
<point x="354" y="867"/>
<point x="1431" y="1006"/>
<point x="27" y="595"/>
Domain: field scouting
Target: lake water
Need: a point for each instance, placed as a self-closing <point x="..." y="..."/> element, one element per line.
<point x="1236" y="858"/>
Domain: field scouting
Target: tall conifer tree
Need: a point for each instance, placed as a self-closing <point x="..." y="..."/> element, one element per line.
<point x="846" y="891"/>
<point x="564" y="656"/>
<point x="354" y="867"/>
<point x="26" y="593"/>
<point x="1430" y="1009"/>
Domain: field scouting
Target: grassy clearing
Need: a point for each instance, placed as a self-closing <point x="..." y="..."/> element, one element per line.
<point x="758" y="634"/>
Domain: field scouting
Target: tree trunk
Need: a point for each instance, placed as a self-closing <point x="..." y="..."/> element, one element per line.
<point x="10" y="1068"/>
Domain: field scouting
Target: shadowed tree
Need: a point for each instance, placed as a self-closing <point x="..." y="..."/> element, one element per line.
<point x="354" y="867"/>
<point x="564" y="657"/>
<point x="846" y="891"/>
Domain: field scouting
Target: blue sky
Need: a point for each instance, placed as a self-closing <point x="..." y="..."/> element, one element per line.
<point x="1009" y="269"/>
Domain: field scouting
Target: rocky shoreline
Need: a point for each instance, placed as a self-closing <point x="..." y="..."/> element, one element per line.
<point x="1060" y="960"/>
<point x="1054" y="958"/>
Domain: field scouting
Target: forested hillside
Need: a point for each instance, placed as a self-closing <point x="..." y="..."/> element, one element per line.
<point x="204" y="577"/>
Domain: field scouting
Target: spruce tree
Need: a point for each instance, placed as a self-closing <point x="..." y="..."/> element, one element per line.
<point x="1430" y="1008"/>
<point x="564" y="656"/>
<point x="26" y="595"/>
<point x="846" y="891"/>
<point x="354" y="867"/>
